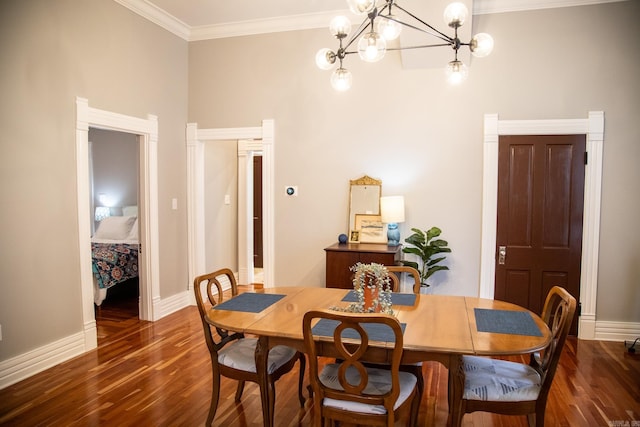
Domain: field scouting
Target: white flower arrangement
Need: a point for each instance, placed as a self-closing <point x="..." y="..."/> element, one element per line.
<point x="370" y="280"/>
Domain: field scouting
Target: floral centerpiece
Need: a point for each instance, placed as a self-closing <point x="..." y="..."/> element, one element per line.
<point x="372" y="285"/>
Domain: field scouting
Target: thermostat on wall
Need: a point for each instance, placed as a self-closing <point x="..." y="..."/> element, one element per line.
<point x="291" y="190"/>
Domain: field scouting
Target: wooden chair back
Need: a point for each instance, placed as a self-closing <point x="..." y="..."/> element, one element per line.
<point x="558" y="312"/>
<point x="396" y="279"/>
<point x="211" y="286"/>
<point x="352" y="352"/>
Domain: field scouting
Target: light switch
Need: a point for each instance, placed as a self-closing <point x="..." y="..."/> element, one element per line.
<point x="174" y="204"/>
<point x="227" y="199"/>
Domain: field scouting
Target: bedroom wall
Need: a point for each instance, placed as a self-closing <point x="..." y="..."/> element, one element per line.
<point x="115" y="168"/>
<point x="50" y="53"/>
<point x="424" y="138"/>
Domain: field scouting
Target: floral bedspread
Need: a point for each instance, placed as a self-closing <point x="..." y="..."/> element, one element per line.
<point x="114" y="263"/>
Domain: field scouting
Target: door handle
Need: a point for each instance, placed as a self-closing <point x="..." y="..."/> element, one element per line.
<point x="502" y="254"/>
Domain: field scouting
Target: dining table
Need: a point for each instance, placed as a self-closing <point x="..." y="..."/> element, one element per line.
<point x="440" y="328"/>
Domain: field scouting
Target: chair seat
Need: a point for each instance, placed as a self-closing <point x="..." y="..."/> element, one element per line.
<point x="240" y="355"/>
<point x="379" y="383"/>
<point x="499" y="380"/>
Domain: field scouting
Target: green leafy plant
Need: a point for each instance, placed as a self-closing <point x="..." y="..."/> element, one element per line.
<point x="426" y="245"/>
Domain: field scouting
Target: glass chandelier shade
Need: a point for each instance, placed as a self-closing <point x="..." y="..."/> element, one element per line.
<point x="361" y="7"/>
<point x="340" y="26"/>
<point x="455" y="14"/>
<point x="388" y="28"/>
<point x="481" y="45"/>
<point x="372" y="47"/>
<point x="341" y="79"/>
<point x="456" y="72"/>
<point x="384" y="21"/>
<point x="325" y="59"/>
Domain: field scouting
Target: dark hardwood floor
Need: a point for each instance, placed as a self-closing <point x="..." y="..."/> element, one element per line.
<point x="159" y="374"/>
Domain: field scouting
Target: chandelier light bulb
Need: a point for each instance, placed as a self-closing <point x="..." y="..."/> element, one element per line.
<point x="387" y="28"/>
<point x="325" y="58"/>
<point x="455" y="14"/>
<point x="372" y="47"/>
<point x="340" y="26"/>
<point x="456" y="72"/>
<point x="361" y="7"/>
<point x="481" y="45"/>
<point x="341" y="79"/>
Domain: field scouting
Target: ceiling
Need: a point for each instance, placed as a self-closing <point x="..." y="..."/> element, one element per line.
<point x="207" y="19"/>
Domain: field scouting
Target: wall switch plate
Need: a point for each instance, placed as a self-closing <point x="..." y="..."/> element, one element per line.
<point x="174" y="204"/>
<point x="227" y="199"/>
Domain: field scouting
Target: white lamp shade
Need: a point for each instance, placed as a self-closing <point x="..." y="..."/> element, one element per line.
<point x="392" y="209"/>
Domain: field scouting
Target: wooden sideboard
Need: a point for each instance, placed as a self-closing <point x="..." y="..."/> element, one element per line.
<point x="341" y="256"/>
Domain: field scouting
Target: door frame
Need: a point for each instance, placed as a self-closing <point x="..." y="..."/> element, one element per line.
<point x="593" y="127"/>
<point x="148" y="264"/>
<point x="250" y="140"/>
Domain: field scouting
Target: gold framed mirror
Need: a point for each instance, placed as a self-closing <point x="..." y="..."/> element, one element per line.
<point x="364" y="198"/>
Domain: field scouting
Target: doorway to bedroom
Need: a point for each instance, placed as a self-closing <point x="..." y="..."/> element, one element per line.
<point x="114" y="198"/>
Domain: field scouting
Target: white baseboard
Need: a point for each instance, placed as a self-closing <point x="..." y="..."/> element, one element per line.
<point x="30" y="363"/>
<point x="617" y="331"/>
<point x="166" y="306"/>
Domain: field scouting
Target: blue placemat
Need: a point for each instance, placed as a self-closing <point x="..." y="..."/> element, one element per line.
<point x="506" y="322"/>
<point x="249" y="302"/>
<point x="396" y="298"/>
<point x="375" y="331"/>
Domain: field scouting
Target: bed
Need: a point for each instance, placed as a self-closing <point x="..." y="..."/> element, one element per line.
<point x="114" y="253"/>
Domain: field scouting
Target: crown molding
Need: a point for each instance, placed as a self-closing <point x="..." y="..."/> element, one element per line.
<point x="269" y="25"/>
<point x="158" y="16"/>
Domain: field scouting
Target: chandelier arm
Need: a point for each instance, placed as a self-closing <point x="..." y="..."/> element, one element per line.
<point x="418" y="47"/>
<point x="443" y="35"/>
<point x="363" y="26"/>
<point x="422" y="30"/>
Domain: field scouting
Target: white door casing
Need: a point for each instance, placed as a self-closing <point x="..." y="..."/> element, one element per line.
<point x="593" y="127"/>
<point x="148" y="261"/>
<point x="250" y="140"/>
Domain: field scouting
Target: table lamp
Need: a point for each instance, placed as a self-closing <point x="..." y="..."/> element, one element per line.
<point x="392" y="212"/>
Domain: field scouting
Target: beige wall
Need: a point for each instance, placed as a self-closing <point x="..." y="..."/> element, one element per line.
<point x="50" y="53"/>
<point x="424" y="138"/>
<point x="221" y="220"/>
<point x="406" y="127"/>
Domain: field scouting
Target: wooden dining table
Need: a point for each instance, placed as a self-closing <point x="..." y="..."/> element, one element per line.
<point x="436" y="328"/>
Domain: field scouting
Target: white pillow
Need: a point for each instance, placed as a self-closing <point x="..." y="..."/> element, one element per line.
<point x="115" y="227"/>
<point x="129" y="211"/>
<point x="133" y="234"/>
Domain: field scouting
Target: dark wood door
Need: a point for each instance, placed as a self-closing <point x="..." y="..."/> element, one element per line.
<point x="540" y="210"/>
<point x="257" y="212"/>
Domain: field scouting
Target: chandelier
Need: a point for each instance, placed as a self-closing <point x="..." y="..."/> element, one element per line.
<point x="383" y="24"/>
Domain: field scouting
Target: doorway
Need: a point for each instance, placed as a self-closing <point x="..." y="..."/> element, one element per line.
<point x="540" y="211"/>
<point x="591" y="126"/>
<point x="251" y="141"/>
<point x="258" y="225"/>
<point x="114" y="181"/>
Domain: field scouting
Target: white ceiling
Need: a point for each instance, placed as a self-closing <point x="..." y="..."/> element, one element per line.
<point x="207" y="19"/>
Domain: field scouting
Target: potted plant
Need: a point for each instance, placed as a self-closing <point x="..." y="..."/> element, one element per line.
<point x="426" y="245"/>
<point x="372" y="286"/>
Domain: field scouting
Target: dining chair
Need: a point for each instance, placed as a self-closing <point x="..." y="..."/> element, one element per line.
<point x="396" y="279"/>
<point x="349" y="390"/>
<point x="512" y="388"/>
<point x="232" y="354"/>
